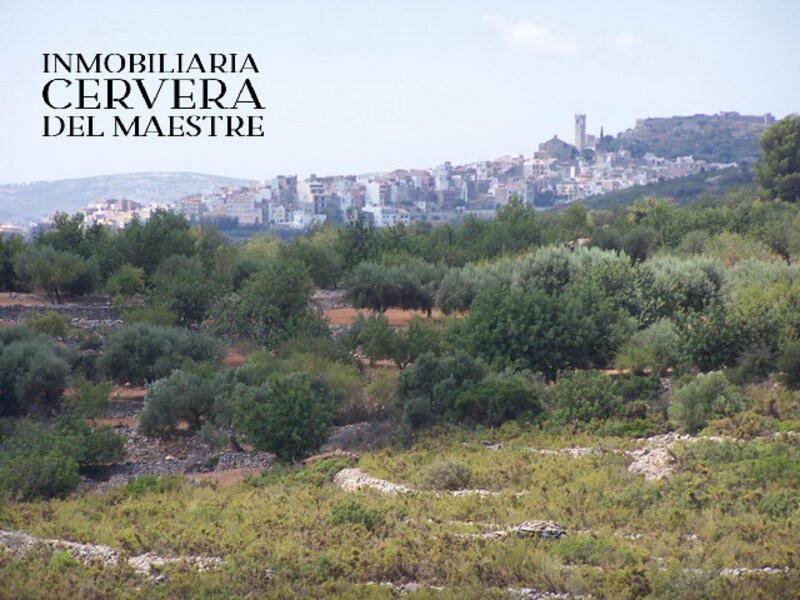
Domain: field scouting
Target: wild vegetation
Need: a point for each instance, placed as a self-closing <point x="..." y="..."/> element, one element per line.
<point x="567" y="344"/>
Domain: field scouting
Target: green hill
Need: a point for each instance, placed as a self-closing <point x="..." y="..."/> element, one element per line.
<point x="682" y="190"/>
<point x="724" y="137"/>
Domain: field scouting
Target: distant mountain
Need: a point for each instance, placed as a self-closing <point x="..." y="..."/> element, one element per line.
<point x="724" y="137"/>
<point x="22" y="203"/>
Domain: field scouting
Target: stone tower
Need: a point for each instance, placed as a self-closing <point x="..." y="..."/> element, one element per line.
<point x="580" y="132"/>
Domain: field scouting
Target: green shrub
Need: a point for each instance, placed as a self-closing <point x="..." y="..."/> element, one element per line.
<point x="445" y="475"/>
<point x="90" y="446"/>
<point x="151" y="484"/>
<point x="654" y="348"/>
<point x="527" y="328"/>
<point x="498" y="399"/>
<point x="744" y="425"/>
<point x="125" y="282"/>
<point x="588" y="550"/>
<point x="181" y="285"/>
<point x="273" y="306"/>
<point x="638" y="390"/>
<point x="184" y="396"/>
<point x="789" y="364"/>
<point x="780" y="504"/>
<point x="321" y="472"/>
<point x="49" y="323"/>
<point x="584" y="396"/>
<point x="32" y="375"/>
<point x="705" y="397"/>
<point x="140" y="353"/>
<point x="36" y="462"/>
<point x="753" y="366"/>
<point x="428" y="388"/>
<point x="151" y="313"/>
<point x="354" y="512"/>
<point x="88" y="399"/>
<point x="54" y="273"/>
<point x="771" y="469"/>
<point x="62" y="560"/>
<point x="289" y="415"/>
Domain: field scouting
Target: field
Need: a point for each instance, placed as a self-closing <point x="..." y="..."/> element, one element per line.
<point x="715" y="527"/>
<point x="397" y="317"/>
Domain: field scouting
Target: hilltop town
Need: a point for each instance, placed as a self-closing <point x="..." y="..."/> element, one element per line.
<point x="556" y="173"/>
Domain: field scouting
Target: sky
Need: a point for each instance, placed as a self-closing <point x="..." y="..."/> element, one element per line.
<point x="360" y="86"/>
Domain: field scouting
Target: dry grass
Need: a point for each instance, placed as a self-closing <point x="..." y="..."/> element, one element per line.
<point x="233" y="358"/>
<point x="131" y="422"/>
<point x="397" y="317"/>
<point x="127" y="393"/>
<point x="15" y="299"/>
<point x="224" y="478"/>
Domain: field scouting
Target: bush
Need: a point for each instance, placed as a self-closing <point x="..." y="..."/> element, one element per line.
<point x="744" y="425"/>
<point x="32" y="375"/>
<point x="41" y="462"/>
<point x="753" y="366"/>
<point x="90" y="447"/>
<point x="125" y="282"/>
<point x="151" y="484"/>
<point x="181" y="285"/>
<point x="273" y="306"/>
<point x="322" y="472"/>
<point x="289" y="415"/>
<point x="55" y="274"/>
<point x="588" y="550"/>
<point x="528" y="328"/>
<point x="140" y="353"/>
<point x="36" y="463"/>
<point x="705" y="397"/>
<point x="654" y="348"/>
<point x="445" y="475"/>
<point x="584" y="396"/>
<point x="780" y="504"/>
<point x="789" y="364"/>
<point x="427" y="389"/>
<point x="49" y="323"/>
<point x="62" y="560"/>
<point x="354" y="512"/>
<point x="151" y="313"/>
<point x="87" y="399"/>
<point x="184" y="396"/>
<point x="373" y="336"/>
<point x="498" y="399"/>
<point x="319" y="357"/>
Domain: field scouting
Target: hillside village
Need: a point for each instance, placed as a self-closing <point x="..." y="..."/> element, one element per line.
<point x="556" y="173"/>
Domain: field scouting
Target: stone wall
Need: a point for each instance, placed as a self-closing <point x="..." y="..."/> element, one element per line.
<point x="83" y="316"/>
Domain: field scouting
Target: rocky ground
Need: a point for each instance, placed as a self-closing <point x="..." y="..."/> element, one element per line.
<point x="19" y="544"/>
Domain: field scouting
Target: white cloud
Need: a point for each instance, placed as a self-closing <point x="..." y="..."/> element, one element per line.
<point x="532" y="36"/>
<point x="625" y="40"/>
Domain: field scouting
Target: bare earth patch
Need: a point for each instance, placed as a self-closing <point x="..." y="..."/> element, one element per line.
<point x="128" y="393"/>
<point x="223" y="478"/>
<point x="233" y="358"/>
<point x="397" y="317"/>
<point x="16" y="299"/>
<point x="131" y="422"/>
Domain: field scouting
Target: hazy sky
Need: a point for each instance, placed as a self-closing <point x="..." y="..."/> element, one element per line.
<point x="358" y="86"/>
